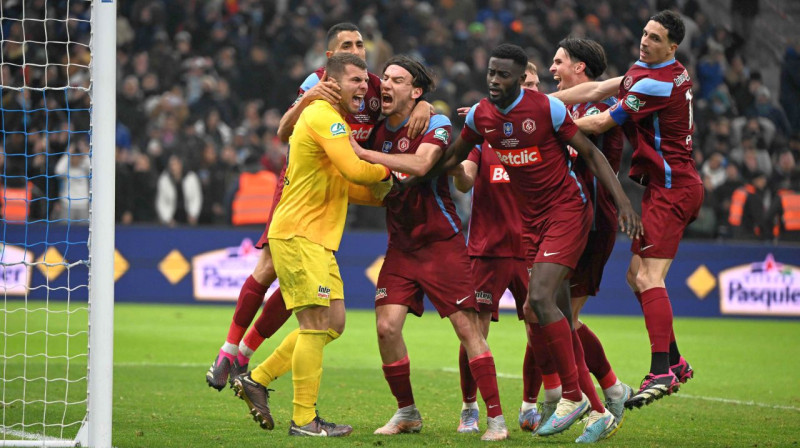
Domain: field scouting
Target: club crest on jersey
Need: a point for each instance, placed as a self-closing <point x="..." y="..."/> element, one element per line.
<point x="508" y="129"/>
<point x="634" y="103"/>
<point x="627" y="83"/>
<point x="338" y="129"/>
<point x="528" y="126"/>
<point x="374" y="103"/>
<point x="403" y="144"/>
<point x="387" y="146"/>
<point x="441" y="134"/>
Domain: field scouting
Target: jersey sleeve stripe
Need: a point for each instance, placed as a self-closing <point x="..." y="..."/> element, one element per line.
<point x="652" y="87"/>
<point x="619" y="115"/>
<point x="667" y="168"/>
<point x="310" y="82"/>
<point x="470" y="120"/>
<point x="610" y="101"/>
<point x="437" y="121"/>
<point x="557" y="112"/>
<point x="577" y="182"/>
<point x="441" y="205"/>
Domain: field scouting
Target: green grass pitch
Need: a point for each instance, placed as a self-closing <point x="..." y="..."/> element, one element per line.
<point x="746" y="391"/>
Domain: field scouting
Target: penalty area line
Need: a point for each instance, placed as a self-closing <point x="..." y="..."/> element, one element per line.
<point x="679" y="395"/>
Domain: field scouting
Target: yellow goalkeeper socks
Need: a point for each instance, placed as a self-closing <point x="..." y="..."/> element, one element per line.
<point x="307" y="372"/>
<point x="280" y="361"/>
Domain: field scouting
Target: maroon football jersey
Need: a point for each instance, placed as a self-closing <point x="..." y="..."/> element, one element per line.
<point x="423" y="213"/>
<point x="529" y="138"/>
<point x="495" y="224"/>
<point x="655" y="110"/>
<point x="362" y="122"/>
<point x="610" y="144"/>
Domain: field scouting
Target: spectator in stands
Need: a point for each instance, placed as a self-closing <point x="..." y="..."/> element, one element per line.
<point x="748" y="208"/>
<point x="179" y="196"/>
<point x="765" y="107"/>
<point x="713" y="171"/>
<point x="751" y="158"/>
<point x="73" y="170"/>
<point x="790" y="85"/>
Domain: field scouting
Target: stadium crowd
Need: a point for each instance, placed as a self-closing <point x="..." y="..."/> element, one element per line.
<point x="202" y="87"/>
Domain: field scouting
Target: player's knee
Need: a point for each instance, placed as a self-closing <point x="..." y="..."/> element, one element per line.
<point x="537" y="299"/>
<point x="630" y="277"/>
<point x="387" y="330"/>
<point x="645" y="280"/>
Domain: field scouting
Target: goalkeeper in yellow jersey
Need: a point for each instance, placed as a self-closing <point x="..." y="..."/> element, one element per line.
<point x="322" y="174"/>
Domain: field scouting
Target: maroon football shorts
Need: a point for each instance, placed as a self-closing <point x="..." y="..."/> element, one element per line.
<point x="665" y="214"/>
<point x="441" y="270"/>
<point x="560" y="236"/>
<point x="493" y="275"/>
<point x="589" y="272"/>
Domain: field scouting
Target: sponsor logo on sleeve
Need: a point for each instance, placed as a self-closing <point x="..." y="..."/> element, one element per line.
<point x="403" y="144"/>
<point x="519" y="157"/>
<point x="529" y="126"/>
<point x="338" y="129"/>
<point x="682" y="78"/>
<point x="634" y="103"/>
<point x="760" y="288"/>
<point x="592" y="111"/>
<point x="499" y="174"/>
<point x="441" y="134"/>
<point x="508" y="129"/>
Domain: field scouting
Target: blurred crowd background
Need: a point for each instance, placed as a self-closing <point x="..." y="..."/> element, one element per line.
<point x="201" y="87"/>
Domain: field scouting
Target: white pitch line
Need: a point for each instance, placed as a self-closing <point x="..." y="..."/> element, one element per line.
<point x="679" y="395"/>
<point x="499" y="375"/>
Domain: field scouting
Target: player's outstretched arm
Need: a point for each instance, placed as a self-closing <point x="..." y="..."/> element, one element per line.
<point x="420" y="119"/>
<point x="629" y="221"/>
<point x="453" y="155"/>
<point x="589" y="91"/>
<point x="326" y="89"/>
<point x="596" y="124"/>
<point x="363" y="195"/>
<point x="464" y="175"/>
<point x="352" y="168"/>
<point x="416" y="164"/>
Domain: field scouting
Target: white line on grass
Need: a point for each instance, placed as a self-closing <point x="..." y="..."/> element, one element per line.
<point x="679" y="395"/>
<point x="499" y="375"/>
<point x="52" y="441"/>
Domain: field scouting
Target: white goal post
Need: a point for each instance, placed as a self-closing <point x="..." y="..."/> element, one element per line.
<point x="53" y="393"/>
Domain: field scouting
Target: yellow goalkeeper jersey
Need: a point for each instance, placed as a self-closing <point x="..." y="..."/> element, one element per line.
<point x="320" y="168"/>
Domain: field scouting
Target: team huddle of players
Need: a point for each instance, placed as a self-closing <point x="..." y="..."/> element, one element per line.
<point x="547" y="205"/>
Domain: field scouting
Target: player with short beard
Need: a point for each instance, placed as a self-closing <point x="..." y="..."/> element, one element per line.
<point x="497" y="255"/>
<point x="234" y="355"/>
<point x="427" y="252"/>
<point x="527" y="130"/>
<point x="306" y="231"/>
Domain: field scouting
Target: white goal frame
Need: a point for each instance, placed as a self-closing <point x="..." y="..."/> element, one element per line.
<point x="96" y="428"/>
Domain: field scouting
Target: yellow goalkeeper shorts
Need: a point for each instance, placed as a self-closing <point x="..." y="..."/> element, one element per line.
<point x="308" y="273"/>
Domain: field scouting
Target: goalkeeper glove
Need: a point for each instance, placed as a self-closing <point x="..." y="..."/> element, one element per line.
<point x="382" y="188"/>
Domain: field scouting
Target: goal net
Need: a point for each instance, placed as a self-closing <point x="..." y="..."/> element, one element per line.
<point x="57" y="100"/>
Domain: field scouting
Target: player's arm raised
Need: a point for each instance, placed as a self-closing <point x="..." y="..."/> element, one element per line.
<point x="629" y="221"/>
<point x="325" y="89"/>
<point x="592" y="91"/>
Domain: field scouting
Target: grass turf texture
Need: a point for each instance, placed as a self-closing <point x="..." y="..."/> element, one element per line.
<point x="746" y="392"/>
